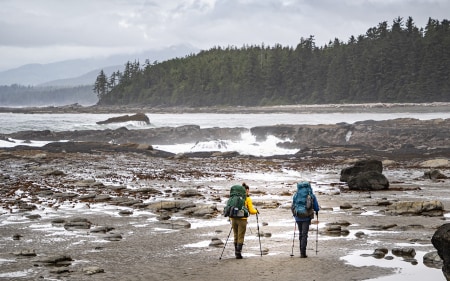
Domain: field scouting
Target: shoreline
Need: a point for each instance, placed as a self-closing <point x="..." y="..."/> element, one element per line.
<point x="318" y="108"/>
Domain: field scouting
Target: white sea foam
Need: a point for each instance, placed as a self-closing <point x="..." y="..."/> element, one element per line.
<point x="246" y="146"/>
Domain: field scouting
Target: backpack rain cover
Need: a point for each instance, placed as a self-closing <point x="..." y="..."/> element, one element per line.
<point x="302" y="201"/>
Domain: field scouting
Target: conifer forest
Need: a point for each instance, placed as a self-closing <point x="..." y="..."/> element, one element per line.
<point x="390" y="63"/>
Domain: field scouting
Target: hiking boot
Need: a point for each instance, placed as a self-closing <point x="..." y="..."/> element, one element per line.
<point x="303" y="251"/>
<point x="238" y="252"/>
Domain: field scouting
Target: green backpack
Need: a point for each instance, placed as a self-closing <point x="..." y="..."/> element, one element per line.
<point x="235" y="207"/>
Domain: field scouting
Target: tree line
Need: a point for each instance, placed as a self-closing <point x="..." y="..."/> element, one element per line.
<point x="397" y="63"/>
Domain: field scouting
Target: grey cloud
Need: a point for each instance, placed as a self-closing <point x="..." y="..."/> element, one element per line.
<point x="148" y="24"/>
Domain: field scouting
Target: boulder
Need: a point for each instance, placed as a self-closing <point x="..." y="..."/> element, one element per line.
<point x="360" y="167"/>
<point x="431" y="208"/>
<point x="371" y="180"/>
<point x="140" y="117"/>
<point x="434" y="175"/>
<point x="441" y="241"/>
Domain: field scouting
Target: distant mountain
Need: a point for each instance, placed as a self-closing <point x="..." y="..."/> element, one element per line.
<point x="84" y="71"/>
<point x="85" y="79"/>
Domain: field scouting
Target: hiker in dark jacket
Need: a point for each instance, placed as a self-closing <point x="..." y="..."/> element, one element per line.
<point x="303" y="216"/>
<point x="240" y="224"/>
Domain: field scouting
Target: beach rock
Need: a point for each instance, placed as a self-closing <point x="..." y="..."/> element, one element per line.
<point x="336" y="230"/>
<point x="345" y="206"/>
<point x="124" y="201"/>
<point x="267" y="204"/>
<point x="145" y="191"/>
<point x="216" y="242"/>
<point x="64" y="195"/>
<point x="371" y="165"/>
<point x="142" y="146"/>
<point x="404" y="252"/>
<point x="441" y="241"/>
<point x="431" y="208"/>
<point x="77" y="223"/>
<point x="89" y="183"/>
<point x="433" y="260"/>
<point x="436" y="163"/>
<point x="206" y="211"/>
<point x="125" y="212"/>
<point x="17" y="236"/>
<point x="190" y="193"/>
<point x="102" y="229"/>
<point x="380" y="253"/>
<point x="371" y="180"/>
<point x="90" y="270"/>
<point x="113" y="237"/>
<point x="173" y="224"/>
<point x="56" y="260"/>
<point x="172" y="206"/>
<point x="26" y="253"/>
<point x="140" y="117"/>
<point x="24" y="207"/>
<point x="340" y="222"/>
<point x="434" y="175"/>
<point x="54" y="173"/>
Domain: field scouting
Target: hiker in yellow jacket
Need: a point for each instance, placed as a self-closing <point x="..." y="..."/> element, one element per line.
<point x="240" y="224"/>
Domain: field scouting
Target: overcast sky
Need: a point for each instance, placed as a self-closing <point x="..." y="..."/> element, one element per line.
<point x="44" y="31"/>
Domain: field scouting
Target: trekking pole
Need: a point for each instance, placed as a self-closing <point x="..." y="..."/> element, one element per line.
<point x="226" y="243"/>
<point x="259" y="235"/>
<point x="317" y="232"/>
<point x="293" y="239"/>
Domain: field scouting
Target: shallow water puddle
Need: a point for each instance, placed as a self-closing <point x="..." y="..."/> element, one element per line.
<point x="405" y="271"/>
<point x="15" y="274"/>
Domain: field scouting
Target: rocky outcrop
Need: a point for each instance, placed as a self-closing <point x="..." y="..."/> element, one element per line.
<point x="140" y="117"/>
<point x="405" y="133"/>
<point x="400" y="136"/>
<point x="441" y="241"/>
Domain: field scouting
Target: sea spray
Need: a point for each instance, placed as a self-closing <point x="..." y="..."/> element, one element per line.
<point x="247" y="145"/>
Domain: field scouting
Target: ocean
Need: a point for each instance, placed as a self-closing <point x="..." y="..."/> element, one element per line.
<point x="14" y="122"/>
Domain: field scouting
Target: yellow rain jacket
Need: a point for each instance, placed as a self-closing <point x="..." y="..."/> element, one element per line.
<point x="249" y="205"/>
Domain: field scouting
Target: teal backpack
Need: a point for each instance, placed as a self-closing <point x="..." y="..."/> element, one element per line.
<point x="235" y="206"/>
<point x="302" y="201"/>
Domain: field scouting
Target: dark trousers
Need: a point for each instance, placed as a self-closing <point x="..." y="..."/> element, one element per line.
<point x="303" y="228"/>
